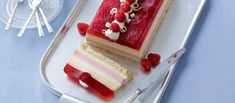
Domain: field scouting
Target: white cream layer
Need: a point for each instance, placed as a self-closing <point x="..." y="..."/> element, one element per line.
<point x="102" y="72"/>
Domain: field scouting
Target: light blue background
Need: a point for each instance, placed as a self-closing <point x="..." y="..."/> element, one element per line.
<point x="206" y="74"/>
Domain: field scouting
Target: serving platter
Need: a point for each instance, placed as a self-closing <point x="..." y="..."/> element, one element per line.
<point x="173" y="34"/>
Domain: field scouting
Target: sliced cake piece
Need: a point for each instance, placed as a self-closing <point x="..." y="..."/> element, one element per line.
<point x="127" y="27"/>
<point x="99" y="69"/>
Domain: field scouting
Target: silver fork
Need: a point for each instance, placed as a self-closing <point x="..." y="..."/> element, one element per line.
<point x="8" y="25"/>
<point x="40" y="30"/>
<point x="35" y="4"/>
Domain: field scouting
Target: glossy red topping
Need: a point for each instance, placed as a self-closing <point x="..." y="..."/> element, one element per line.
<point x="146" y="65"/>
<point x="82" y="28"/>
<point x="154" y="58"/>
<point x="120" y="16"/>
<point x="89" y="80"/>
<point x="115" y="27"/>
<point x="137" y="29"/>
<point x="125" y="7"/>
<point x="130" y="1"/>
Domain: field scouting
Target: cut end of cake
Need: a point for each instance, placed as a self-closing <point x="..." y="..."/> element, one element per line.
<point x="106" y="73"/>
<point x="110" y="46"/>
<point x="92" y="51"/>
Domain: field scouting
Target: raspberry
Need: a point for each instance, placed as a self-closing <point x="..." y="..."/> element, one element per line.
<point x="154" y="58"/>
<point x="130" y="1"/>
<point x="120" y="16"/>
<point x="146" y="65"/>
<point x="72" y="72"/>
<point x="114" y="27"/>
<point x="96" y="85"/>
<point x="125" y="7"/>
<point x="82" y="28"/>
<point x="68" y="69"/>
<point x="85" y="77"/>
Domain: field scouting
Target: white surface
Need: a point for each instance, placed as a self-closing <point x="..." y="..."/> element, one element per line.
<point x="170" y="37"/>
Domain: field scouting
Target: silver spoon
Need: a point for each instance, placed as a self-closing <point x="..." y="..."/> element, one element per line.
<point x="40" y="30"/>
<point x="8" y="25"/>
<point x="35" y="4"/>
<point x="49" y="28"/>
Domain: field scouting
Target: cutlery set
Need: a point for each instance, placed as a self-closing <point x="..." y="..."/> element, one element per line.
<point x="35" y="6"/>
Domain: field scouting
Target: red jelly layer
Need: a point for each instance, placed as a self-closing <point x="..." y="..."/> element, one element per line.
<point x="137" y="29"/>
<point x="94" y="85"/>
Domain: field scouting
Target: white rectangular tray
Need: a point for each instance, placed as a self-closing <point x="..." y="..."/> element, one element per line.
<point x="173" y="34"/>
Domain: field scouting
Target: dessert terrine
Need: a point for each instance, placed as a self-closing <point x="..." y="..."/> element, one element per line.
<point x="127" y="27"/>
<point x="94" y="70"/>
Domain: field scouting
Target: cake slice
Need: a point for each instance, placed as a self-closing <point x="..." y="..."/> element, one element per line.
<point x="96" y="71"/>
<point x="127" y="27"/>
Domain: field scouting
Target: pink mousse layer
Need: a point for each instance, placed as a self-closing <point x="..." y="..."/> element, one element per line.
<point x="99" y="66"/>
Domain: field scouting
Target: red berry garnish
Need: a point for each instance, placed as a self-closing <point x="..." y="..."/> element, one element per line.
<point x="154" y="58"/>
<point x="85" y="77"/>
<point x="71" y="71"/>
<point x="114" y="27"/>
<point x="146" y="65"/>
<point x="130" y="1"/>
<point x="82" y="28"/>
<point x="125" y="7"/>
<point x="120" y="16"/>
<point x="96" y="85"/>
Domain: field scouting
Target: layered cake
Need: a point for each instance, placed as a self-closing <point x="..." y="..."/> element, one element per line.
<point x="127" y="27"/>
<point x="94" y="70"/>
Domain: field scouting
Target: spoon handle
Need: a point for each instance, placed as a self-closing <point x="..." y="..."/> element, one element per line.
<point x="22" y="30"/>
<point x="133" y="96"/>
<point x="49" y="28"/>
<point x="40" y="30"/>
<point x="8" y="25"/>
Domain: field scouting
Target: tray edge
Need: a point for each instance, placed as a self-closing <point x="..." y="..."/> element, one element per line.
<point x="69" y="20"/>
<point x="57" y="39"/>
<point x="183" y="45"/>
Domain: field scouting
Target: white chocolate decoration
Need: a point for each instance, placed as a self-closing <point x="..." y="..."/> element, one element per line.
<point x="121" y="26"/>
<point x="108" y="25"/>
<point x="121" y="1"/>
<point x="128" y="16"/>
<point x="113" y="11"/>
<point x="112" y="35"/>
<point x="132" y="15"/>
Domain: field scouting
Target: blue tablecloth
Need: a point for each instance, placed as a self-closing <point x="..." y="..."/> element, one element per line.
<point x="205" y="74"/>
